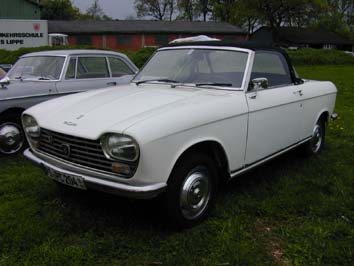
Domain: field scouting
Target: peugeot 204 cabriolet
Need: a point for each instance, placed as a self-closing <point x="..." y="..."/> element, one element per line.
<point x="196" y="114"/>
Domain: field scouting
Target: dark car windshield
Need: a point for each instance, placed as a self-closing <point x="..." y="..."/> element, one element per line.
<point x="37" y="67"/>
<point x="197" y="66"/>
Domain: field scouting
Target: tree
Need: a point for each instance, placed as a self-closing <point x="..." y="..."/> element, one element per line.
<point x="193" y="9"/>
<point x="205" y="8"/>
<point x="338" y="16"/>
<point x="96" y="12"/>
<point x="187" y="9"/>
<point x="59" y="10"/>
<point x="158" y="9"/>
<point x="273" y="13"/>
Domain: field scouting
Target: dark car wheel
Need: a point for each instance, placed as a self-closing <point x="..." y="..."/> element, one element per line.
<point x="191" y="190"/>
<point x="12" y="137"/>
<point x="316" y="143"/>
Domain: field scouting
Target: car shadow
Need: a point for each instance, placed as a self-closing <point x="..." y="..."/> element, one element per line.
<point x="94" y="210"/>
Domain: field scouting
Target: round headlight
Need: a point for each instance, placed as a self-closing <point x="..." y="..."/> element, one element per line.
<point x="31" y="126"/>
<point x="120" y="147"/>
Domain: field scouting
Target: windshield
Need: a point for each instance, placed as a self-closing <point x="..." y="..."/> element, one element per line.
<point x="196" y="66"/>
<point x="37" y="67"/>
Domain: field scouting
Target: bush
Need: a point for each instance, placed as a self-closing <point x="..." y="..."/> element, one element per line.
<point x="309" y="56"/>
<point x="140" y="57"/>
<point x="9" y="57"/>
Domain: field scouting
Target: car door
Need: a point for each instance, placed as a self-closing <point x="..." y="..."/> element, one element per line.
<point x="275" y="112"/>
<point x="84" y="73"/>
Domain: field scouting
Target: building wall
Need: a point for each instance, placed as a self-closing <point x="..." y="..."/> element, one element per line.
<point x="135" y="42"/>
<point x="19" y="9"/>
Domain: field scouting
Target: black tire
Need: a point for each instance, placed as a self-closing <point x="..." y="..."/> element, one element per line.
<point x="190" y="172"/>
<point x="316" y="143"/>
<point x="14" y="120"/>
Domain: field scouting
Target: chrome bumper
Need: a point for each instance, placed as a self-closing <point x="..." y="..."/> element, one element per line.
<point x="137" y="192"/>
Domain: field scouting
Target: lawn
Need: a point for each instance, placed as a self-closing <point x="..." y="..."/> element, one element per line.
<point x="291" y="211"/>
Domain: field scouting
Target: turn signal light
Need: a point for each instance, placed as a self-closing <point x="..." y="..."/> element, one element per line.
<point x="121" y="168"/>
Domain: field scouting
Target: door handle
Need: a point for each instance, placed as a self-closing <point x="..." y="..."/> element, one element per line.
<point x="298" y="92"/>
<point x="113" y="83"/>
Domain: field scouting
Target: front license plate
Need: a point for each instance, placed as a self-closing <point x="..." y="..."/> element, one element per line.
<point x="66" y="179"/>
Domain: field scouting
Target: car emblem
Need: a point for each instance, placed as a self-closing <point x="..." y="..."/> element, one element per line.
<point x="66" y="150"/>
<point x="68" y="123"/>
<point x="48" y="138"/>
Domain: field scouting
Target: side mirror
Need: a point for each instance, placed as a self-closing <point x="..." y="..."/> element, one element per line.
<point x="5" y="81"/>
<point x="256" y="84"/>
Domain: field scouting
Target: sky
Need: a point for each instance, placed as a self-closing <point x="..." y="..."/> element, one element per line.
<point x="117" y="9"/>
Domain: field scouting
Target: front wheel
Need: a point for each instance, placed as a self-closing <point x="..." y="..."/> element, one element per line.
<point x="191" y="189"/>
<point x="12" y="137"/>
<point x="316" y="143"/>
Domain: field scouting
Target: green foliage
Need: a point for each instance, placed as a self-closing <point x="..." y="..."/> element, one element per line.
<point x="157" y="9"/>
<point x="59" y="10"/>
<point x="334" y="15"/>
<point x="291" y="211"/>
<point x="139" y="58"/>
<point x="309" y="56"/>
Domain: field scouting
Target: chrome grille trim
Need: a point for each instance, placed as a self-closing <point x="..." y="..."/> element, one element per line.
<point x="83" y="152"/>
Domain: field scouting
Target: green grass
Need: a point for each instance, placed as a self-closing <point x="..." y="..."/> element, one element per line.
<point x="291" y="211"/>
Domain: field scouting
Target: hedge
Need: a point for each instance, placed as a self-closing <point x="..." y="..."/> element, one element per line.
<point x="304" y="56"/>
<point x="309" y="56"/>
<point x="10" y="57"/>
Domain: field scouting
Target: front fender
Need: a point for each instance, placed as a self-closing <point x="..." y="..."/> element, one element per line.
<point x="158" y="157"/>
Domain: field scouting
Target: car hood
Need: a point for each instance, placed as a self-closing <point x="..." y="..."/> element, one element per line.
<point x="26" y="88"/>
<point x="91" y="114"/>
<point x="14" y="89"/>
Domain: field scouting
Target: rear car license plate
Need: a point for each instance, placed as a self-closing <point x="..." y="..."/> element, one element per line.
<point x="67" y="179"/>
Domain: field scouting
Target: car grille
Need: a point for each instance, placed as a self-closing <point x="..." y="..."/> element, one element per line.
<point x="78" y="151"/>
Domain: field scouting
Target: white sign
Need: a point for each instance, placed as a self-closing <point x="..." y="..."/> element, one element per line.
<point x="15" y="34"/>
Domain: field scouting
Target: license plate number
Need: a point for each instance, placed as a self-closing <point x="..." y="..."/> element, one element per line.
<point x="66" y="179"/>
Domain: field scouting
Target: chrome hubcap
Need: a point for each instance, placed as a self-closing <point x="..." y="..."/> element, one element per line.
<point x="11" y="138"/>
<point x="195" y="193"/>
<point x="316" y="139"/>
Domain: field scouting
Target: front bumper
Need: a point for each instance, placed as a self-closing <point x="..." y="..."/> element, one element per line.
<point x="125" y="190"/>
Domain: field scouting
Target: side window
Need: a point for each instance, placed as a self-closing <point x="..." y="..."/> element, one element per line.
<point x="70" y="72"/>
<point x="119" y="67"/>
<point x="92" y="67"/>
<point x="273" y="66"/>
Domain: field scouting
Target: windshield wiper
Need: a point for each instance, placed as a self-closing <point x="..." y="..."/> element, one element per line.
<point x="158" y="80"/>
<point x="213" y="84"/>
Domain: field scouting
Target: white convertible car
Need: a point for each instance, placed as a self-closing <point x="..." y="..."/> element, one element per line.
<point x="196" y="114"/>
